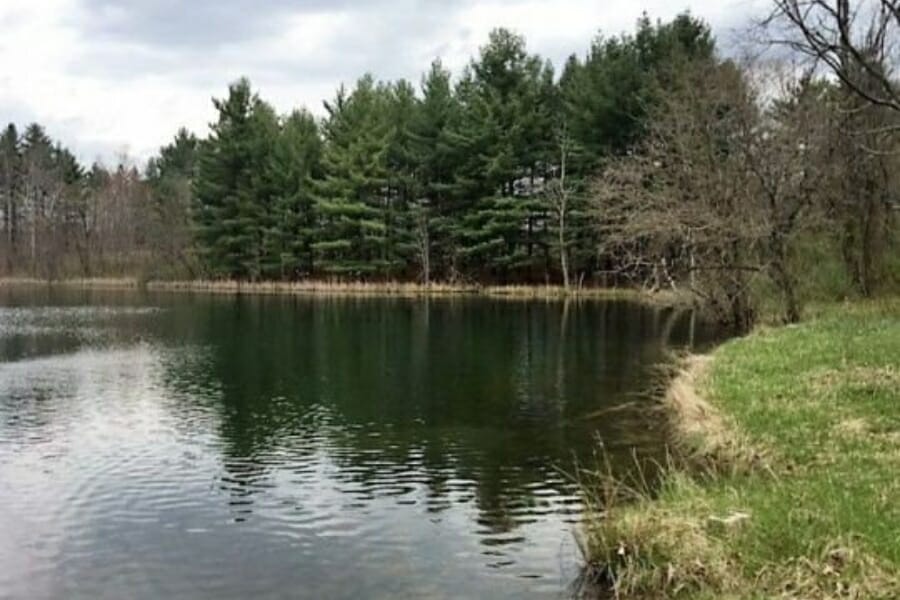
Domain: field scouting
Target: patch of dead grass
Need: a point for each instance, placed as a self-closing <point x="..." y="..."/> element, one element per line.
<point x="832" y="380"/>
<point x="653" y="550"/>
<point x="646" y="548"/>
<point x="341" y="288"/>
<point x="841" y="572"/>
<point x="855" y="427"/>
<point x="640" y="548"/>
<point x="702" y="434"/>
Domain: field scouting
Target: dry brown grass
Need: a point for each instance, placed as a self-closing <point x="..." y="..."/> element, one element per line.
<point x="646" y="548"/>
<point x="325" y="288"/>
<point x="403" y="289"/>
<point x="703" y="436"/>
<point x="886" y="377"/>
<point x="795" y="432"/>
<point x="642" y="548"/>
<point x="88" y="282"/>
<point x="832" y="575"/>
<point x="682" y="549"/>
<point x="337" y="288"/>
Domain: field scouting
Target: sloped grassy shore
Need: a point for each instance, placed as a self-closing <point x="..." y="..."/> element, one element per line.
<point x="786" y="479"/>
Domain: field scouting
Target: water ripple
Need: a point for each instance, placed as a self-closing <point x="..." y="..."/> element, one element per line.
<point x="216" y="450"/>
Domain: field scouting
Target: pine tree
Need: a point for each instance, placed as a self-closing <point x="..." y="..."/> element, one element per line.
<point x="506" y="128"/>
<point x="350" y="200"/>
<point x="401" y="216"/>
<point x="291" y="169"/>
<point x="259" y="203"/>
<point x="10" y="190"/>
<point x="609" y="95"/>
<point x="176" y="159"/>
<point x="232" y="199"/>
<point x="433" y="163"/>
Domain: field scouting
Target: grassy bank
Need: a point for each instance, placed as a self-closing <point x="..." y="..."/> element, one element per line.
<point x="790" y="487"/>
<point x="360" y="288"/>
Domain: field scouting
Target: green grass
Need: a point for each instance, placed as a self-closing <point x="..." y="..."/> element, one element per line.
<point x="821" y="401"/>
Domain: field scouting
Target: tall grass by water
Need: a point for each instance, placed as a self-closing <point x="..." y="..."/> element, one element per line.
<point x="363" y="288"/>
<point x="795" y="494"/>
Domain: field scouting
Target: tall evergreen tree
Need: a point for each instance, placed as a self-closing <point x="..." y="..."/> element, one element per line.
<point x="401" y="194"/>
<point x="177" y="159"/>
<point x="231" y="198"/>
<point x="609" y="95"/>
<point x="171" y="177"/>
<point x="350" y="200"/>
<point x="10" y="190"/>
<point x="433" y="162"/>
<point x="259" y="203"/>
<point x="293" y="165"/>
<point x="506" y="129"/>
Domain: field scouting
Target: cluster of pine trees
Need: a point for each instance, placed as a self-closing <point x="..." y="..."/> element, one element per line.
<point x="647" y="161"/>
<point x="478" y="177"/>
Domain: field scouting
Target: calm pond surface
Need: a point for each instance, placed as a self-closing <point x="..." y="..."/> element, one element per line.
<point x="190" y="446"/>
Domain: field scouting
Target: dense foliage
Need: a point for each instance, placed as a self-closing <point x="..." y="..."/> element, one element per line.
<point x="648" y="161"/>
<point x="447" y="181"/>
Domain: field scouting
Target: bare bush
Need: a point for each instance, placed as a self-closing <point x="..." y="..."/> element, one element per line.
<point x="720" y="190"/>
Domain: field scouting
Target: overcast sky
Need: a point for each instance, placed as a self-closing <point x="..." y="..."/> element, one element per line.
<point x="113" y="76"/>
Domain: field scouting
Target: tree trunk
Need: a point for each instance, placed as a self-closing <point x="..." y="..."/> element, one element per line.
<point x="426" y="257"/>
<point x="563" y="211"/>
<point x="563" y="251"/>
<point x="872" y="246"/>
<point x="788" y="292"/>
<point x="10" y="216"/>
<point x="34" y="243"/>
<point x="849" y="246"/>
<point x="782" y="276"/>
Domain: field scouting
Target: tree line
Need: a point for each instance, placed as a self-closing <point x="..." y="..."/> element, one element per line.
<point x="445" y="180"/>
<point x="650" y="161"/>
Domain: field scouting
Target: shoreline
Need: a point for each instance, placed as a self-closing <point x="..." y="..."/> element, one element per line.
<point x="390" y="289"/>
<point x="704" y="437"/>
<point x="790" y="429"/>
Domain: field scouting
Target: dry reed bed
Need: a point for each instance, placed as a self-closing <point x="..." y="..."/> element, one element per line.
<point x="362" y="288"/>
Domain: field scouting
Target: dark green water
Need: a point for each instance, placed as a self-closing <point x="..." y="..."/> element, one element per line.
<point x="183" y="446"/>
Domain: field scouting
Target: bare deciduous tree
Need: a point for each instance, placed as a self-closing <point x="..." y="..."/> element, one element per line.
<point x="859" y="43"/>
<point x="857" y="40"/>
<point x="791" y="157"/>
<point x="720" y="191"/>
<point x="559" y="193"/>
<point x="681" y="204"/>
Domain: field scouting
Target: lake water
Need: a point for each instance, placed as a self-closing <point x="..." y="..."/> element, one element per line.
<point x="189" y="446"/>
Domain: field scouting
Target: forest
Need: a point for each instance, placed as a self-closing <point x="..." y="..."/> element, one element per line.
<point x="652" y="161"/>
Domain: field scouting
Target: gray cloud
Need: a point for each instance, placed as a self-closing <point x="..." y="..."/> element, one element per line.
<point x="138" y="69"/>
<point x="204" y="23"/>
<point x="187" y="23"/>
<point x="195" y="39"/>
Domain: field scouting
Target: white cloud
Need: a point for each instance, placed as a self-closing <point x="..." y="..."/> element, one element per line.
<point x="104" y="82"/>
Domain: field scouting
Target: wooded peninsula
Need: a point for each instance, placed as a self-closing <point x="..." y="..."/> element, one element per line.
<point x="651" y="161"/>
